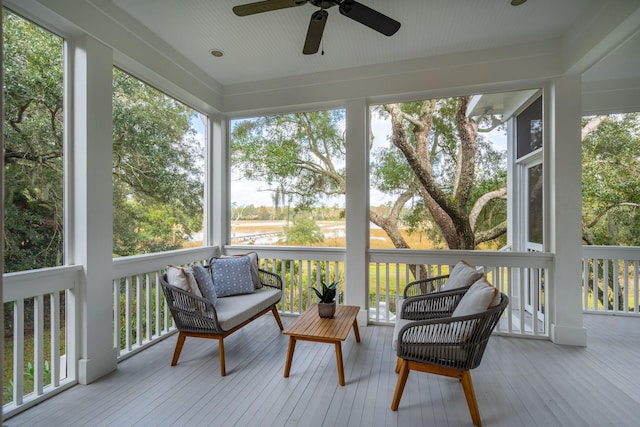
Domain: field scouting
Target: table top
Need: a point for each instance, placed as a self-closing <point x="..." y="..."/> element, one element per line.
<point x="310" y="325"/>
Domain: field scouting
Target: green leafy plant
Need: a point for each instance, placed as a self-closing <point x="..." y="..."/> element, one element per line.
<point x="328" y="293"/>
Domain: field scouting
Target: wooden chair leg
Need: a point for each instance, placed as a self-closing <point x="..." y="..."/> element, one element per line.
<point x="274" y="310"/>
<point x="221" y="351"/>
<point x="402" y="380"/>
<point x="470" y="394"/>
<point x="398" y="362"/>
<point x="176" y="352"/>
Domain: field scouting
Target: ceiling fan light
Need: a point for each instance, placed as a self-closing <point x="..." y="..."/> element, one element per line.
<point x="216" y="52"/>
<point x="517" y="2"/>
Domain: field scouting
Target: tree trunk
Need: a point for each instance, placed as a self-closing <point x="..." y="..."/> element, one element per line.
<point x="450" y="212"/>
<point x="391" y="227"/>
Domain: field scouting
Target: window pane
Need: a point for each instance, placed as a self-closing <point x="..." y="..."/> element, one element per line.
<point x="529" y="128"/>
<point x="158" y="170"/>
<point x="288" y="179"/>
<point x="535" y="204"/>
<point x="33" y="132"/>
<point x="438" y="173"/>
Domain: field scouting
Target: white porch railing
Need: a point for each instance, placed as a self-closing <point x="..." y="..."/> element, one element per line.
<point x="140" y="314"/>
<point x="610" y="276"/>
<point x="300" y="268"/>
<point x="39" y="304"/>
<point x="519" y="275"/>
<point x="141" y="318"/>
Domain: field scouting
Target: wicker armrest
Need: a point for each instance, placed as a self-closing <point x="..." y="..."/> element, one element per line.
<point x="270" y="279"/>
<point x="191" y="313"/>
<point x="424" y="286"/>
<point x="431" y="306"/>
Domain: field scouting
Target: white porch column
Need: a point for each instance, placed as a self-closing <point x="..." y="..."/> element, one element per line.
<point x="92" y="200"/>
<point x="357" y="207"/>
<point x="565" y="189"/>
<point x="219" y="173"/>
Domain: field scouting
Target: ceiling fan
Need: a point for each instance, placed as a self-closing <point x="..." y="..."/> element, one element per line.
<point x="349" y="8"/>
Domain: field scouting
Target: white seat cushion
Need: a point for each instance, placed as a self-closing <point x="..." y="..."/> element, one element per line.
<point x="234" y="310"/>
<point x="396" y="331"/>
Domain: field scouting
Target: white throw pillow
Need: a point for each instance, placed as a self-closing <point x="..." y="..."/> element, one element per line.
<point x="480" y="296"/>
<point x="461" y="276"/>
<point x="183" y="278"/>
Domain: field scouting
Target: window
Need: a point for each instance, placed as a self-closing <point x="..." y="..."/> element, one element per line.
<point x="33" y="132"/>
<point x="535" y="212"/>
<point x="288" y="179"/>
<point x="529" y="128"/>
<point x="529" y="176"/>
<point x="158" y="170"/>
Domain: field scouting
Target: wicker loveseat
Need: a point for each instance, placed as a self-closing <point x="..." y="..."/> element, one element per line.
<point x="197" y="316"/>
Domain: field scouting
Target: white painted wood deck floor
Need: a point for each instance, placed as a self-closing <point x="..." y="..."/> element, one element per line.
<point x="521" y="382"/>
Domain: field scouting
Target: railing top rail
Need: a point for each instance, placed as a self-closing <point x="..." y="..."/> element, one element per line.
<point x="127" y="266"/>
<point x="450" y="257"/>
<point x="290" y="252"/>
<point x="611" y="252"/>
<point x="26" y="284"/>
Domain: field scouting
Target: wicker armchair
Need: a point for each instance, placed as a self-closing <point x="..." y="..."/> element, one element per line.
<point x="444" y="345"/>
<point x="197" y="317"/>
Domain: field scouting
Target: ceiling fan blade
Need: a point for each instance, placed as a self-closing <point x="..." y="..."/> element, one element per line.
<point x="314" y="32"/>
<point x="265" y="6"/>
<point x="369" y="17"/>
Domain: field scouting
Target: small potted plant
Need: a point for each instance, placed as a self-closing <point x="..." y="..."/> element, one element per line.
<point x="327" y="300"/>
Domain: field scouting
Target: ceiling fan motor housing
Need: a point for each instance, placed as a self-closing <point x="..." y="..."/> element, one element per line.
<point x="324" y="4"/>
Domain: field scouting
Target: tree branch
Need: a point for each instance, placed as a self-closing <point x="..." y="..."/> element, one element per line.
<point x="493" y="233"/>
<point x="482" y="202"/>
<point x="592" y="125"/>
<point x="608" y="208"/>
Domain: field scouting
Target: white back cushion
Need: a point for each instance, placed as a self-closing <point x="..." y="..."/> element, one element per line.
<point x="460" y="276"/>
<point x="480" y="296"/>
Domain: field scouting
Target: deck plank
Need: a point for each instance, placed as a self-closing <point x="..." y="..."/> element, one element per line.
<point x="521" y="382"/>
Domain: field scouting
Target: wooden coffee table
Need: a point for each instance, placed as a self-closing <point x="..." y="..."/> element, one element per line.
<point x="311" y="327"/>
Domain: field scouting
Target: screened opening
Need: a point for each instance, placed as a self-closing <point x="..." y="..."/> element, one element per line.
<point x="158" y="170"/>
<point x="33" y="137"/>
<point x="438" y="173"/>
<point x="288" y="179"/>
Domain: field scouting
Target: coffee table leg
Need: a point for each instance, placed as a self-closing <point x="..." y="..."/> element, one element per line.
<point x="356" y="331"/>
<point x="292" y="347"/>
<point x="339" y="361"/>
